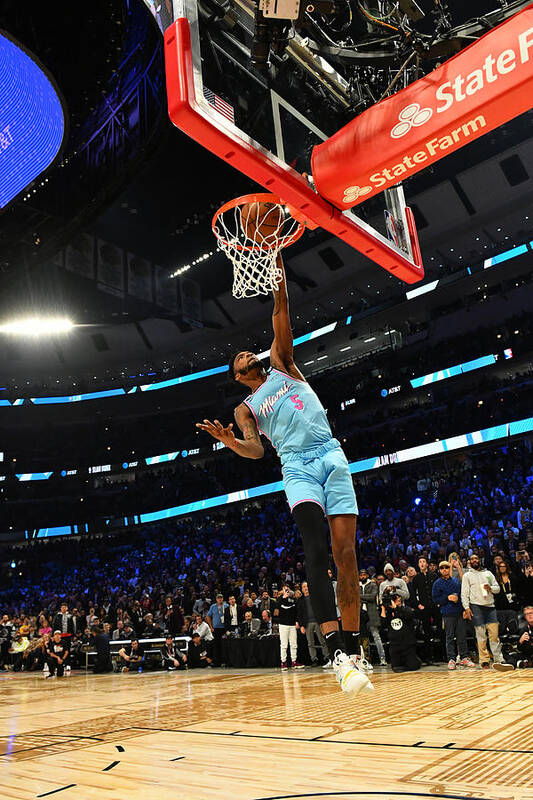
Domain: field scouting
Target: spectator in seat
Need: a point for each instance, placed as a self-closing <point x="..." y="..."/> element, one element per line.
<point x="309" y="626"/>
<point x="446" y="593"/>
<point x="266" y="623"/>
<point x="523" y="658"/>
<point x="44" y="627"/>
<point x="6" y="634"/>
<point x="171" y="657"/>
<point x="57" y="654"/>
<point x="369" y="597"/>
<point x="129" y="632"/>
<point x="400" y="622"/>
<point x="131" y="656"/>
<point x="119" y="632"/>
<point x="100" y="642"/>
<point x="477" y="596"/>
<point x="151" y="629"/>
<point x="507" y="601"/>
<point x="35" y="654"/>
<point x="392" y="585"/>
<point x="197" y="655"/>
<point x="267" y="603"/>
<point x="203" y="630"/>
<point x="250" y="626"/>
<point x="251" y="606"/>
<point x="233" y="616"/>
<point x="18" y="647"/>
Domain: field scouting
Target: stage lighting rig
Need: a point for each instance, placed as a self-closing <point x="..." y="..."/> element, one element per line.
<point x="374" y="46"/>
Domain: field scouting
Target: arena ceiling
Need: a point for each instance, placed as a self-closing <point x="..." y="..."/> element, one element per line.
<point x="159" y="201"/>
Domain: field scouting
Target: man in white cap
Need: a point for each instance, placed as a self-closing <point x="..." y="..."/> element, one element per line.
<point x="393" y="585"/>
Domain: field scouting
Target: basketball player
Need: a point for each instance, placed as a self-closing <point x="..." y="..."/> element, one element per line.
<point x="317" y="481"/>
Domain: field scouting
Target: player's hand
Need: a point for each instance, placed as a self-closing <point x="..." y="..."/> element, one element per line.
<point x="218" y="431"/>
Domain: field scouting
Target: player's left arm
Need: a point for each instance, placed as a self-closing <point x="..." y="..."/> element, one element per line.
<point x="281" y="351"/>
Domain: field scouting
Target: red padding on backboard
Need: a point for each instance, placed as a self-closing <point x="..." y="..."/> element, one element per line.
<point x="485" y="85"/>
<point x="224" y="140"/>
<point x="413" y="235"/>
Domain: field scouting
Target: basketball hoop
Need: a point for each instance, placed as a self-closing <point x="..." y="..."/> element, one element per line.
<point x="252" y="244"/>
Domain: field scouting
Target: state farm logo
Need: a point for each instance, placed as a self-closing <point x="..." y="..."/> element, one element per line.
<point x="410" y="116"/>
<point x="353" y="193"/>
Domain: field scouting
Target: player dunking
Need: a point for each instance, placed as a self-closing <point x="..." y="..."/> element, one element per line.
<point x="316" y="478"/>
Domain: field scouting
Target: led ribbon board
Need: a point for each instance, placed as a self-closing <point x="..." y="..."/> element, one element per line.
<point x="485" y="85"/>
<point x="32" y="121"/>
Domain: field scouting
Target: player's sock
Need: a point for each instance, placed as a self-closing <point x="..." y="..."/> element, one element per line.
<point x="334" y="642"/>
<point x="351" y="642"/>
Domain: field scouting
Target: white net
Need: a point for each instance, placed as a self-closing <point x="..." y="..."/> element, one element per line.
<point x="252" y="236"/>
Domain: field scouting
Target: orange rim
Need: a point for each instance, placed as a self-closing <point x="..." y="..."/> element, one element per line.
<point x="259" y="197"/>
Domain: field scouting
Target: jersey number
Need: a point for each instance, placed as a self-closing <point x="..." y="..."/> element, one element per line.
<point x="297" y="402"/>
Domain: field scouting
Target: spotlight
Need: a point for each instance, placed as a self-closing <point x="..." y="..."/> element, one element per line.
<point x="418" y="500"/>
<point x="36" y="326"/>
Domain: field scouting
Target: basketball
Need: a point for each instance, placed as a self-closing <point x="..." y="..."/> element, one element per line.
<point x="262" y="218"/>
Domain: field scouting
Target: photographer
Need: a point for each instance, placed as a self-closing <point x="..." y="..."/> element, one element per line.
<point x="285" y="611"/>
<point x="171" y="657"/>
<point x="400" y="623"/>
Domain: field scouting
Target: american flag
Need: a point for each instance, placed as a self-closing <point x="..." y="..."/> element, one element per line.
<point x="219" y="105"/>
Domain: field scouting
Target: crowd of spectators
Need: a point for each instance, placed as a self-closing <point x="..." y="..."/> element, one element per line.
<point x="363" y="434"/>
<point x="222" y="574"/>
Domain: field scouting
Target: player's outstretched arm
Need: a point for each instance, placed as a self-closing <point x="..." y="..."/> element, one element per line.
<point x="248" y="447"/>
<point x="281" y="352"/>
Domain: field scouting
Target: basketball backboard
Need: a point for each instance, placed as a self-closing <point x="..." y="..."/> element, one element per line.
<point x="264" y="114"/>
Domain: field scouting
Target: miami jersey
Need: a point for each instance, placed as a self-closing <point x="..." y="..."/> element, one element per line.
<point x="288" y="412"/>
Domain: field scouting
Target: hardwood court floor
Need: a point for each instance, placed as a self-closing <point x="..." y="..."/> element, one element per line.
<point x="250" y="735"/>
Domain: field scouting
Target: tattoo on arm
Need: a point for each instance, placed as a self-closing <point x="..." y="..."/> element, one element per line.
<point x="249" y="431"/>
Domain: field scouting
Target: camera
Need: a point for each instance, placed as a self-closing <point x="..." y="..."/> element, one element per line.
<point x="388" y="599"/>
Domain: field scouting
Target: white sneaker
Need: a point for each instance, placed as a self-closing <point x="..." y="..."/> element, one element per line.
<point x="328" y="664"/>
<point x="348" y="674"/>
<point x="362" y="662"/>
<point x="46" y="670"/>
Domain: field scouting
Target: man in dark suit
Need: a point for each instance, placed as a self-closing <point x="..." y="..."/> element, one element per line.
<point x="250" y="626"/>
<point x="78" y="623"/>
<point x="233" y="615"/>
<point x="100" y="642"/>
<point x="63" y="621"/>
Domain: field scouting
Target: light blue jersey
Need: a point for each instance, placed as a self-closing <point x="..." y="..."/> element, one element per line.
<point x="288" y="412"/>
<point x="314" y="466"/>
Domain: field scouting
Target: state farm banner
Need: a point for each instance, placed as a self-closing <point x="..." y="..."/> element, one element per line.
<point x="485" y="85"/>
